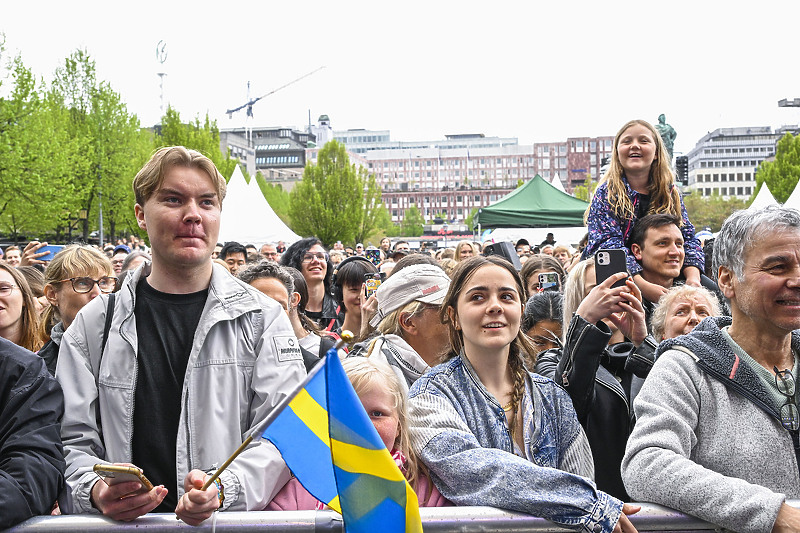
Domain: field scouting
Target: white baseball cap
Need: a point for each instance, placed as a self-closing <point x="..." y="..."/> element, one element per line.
<point x="425" y="283"/>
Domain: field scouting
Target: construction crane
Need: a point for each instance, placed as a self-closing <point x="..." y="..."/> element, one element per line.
<point x="251" y="102"/>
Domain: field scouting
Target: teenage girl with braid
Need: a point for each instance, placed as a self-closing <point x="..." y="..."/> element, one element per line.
<point x="491" y="433"/>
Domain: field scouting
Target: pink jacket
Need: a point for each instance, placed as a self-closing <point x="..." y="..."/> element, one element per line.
<point x="294" y="497"/>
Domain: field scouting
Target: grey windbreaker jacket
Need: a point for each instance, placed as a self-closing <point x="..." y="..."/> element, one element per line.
<point x="245" y="359"/>
<point x="708" y="440"/>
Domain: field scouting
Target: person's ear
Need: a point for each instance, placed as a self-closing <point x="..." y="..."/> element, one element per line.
<point x="636" y="250"/>
<point x="139" y="212"/>
<point x="407" y="323"/>
<point x="725" y="279"/>
<point x="51" y="294"/>
<point x="294" y="300"/>
<point x="451" y="313"/>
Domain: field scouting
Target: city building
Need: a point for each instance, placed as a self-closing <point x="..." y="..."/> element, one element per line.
<point x="452" y="206"/>
<point x="572" y="160"/>
<point x="279" y="153"/>
<point x="445" y="178"/>
<point x="724" y="161"/>
<point x="360" y="141"/>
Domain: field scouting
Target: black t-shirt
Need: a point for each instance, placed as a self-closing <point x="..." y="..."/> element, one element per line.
<point x="165" y="326"/>
<point x="643" y="207"/>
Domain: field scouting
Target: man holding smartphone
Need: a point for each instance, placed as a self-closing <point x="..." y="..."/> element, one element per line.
<point x="179" y="368"/>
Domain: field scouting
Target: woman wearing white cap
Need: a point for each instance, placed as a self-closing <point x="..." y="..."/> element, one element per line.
<point x="411" y="337"/>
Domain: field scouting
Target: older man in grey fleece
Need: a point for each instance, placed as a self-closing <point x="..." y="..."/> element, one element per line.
<point x="717" y="424"/>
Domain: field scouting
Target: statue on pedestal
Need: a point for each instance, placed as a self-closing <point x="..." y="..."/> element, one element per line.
<point x="667" y="133"/>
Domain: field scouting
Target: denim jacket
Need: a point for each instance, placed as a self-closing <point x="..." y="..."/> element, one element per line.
<point x="459" y="431"/>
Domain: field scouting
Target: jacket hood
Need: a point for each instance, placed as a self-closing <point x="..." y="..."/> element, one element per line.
<point x="714" y="355"/>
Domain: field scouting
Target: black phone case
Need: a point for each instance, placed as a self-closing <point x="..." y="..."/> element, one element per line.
<point x="616" y="264"/>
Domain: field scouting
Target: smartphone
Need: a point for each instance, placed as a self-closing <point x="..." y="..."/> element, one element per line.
<point x="549" y="281"/>
<point x="607" y="263"/>
<point x="372" y="282"/>
<point x="374" y="256"/>
<point x="52" y="250"/>
<point x="113" y="474"/>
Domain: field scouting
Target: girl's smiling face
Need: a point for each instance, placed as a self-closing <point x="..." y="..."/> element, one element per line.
<point x="489" y="309"/>
<point x="636" y="148"/>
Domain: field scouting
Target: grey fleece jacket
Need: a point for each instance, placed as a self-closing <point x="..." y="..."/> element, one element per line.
<point x="708" y="440"/>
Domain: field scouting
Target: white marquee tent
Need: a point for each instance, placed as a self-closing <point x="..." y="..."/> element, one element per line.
<point x="763" y="198"/>
<point x="556" y="182"/>
<point x="794" y="198"/>
<point x="247" y="217"/>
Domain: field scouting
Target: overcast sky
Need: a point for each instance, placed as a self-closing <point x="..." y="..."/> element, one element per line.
<point x="536" y="70"/>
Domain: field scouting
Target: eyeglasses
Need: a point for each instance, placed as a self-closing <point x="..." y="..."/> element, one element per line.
<point x="784" y="380"/>
<point x="5" y="290"/>
<point x="319" y="256"/>
<point x="84" y="284"/>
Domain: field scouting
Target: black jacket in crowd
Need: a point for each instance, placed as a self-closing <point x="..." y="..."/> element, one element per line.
<point x="602" y="391"/>
<point x="31" y="457"/>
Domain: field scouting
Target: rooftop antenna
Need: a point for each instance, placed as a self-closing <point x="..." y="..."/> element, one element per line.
<point x="161" y="56"/>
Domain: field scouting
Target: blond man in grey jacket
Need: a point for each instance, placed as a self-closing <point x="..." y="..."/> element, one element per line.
<point x="717" y="421"/>
<point x="193" y="361"/>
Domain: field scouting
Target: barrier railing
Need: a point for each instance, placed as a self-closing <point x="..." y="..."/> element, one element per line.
<point x="434" y="520"/>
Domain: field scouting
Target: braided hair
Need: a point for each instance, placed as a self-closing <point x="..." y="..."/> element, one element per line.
<point x="520" y="348"/>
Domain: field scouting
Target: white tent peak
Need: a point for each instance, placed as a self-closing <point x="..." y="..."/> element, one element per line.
<point x="247" y="217"/>
<point x="794" y="199"/>
<point x="556" y="182"/>
<point x="764" y="198"/>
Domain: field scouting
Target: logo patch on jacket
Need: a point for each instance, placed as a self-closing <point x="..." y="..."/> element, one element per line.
<point x="287" y="348"/>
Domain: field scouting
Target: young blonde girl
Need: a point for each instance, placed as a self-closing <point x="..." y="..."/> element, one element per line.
<point x="639" y="181"/>
<point x="384" y="400"/>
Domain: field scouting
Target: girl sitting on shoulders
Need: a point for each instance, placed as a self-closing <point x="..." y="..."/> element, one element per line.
<point x="639" y="181"/>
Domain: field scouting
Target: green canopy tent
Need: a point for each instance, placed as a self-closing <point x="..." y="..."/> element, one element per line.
<point x="536" y="204"/>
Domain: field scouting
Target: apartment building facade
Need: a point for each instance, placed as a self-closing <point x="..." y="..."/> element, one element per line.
<point x="724" y="161"/>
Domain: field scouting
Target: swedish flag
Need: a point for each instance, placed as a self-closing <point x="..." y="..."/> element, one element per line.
<point x="331" y="446"/>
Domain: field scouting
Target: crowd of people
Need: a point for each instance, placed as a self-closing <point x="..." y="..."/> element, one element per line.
<point x="531" y="381"/>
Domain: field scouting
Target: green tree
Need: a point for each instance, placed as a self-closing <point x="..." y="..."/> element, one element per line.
<point x="384" y="227"/>
<point x="329" y="202"/>
<point x="203" y="137"/>
<point x="109" y="144"/>
<point x="277" y="198"/>
<point x="782" y="174"/>
<point x="36" y="183"/>
<point x="471" y="217"/>
<point x="586" y="191"/>
<point x="412" y="225"/>
<point x="371" y="205"/>
<point x="710" y="210"/>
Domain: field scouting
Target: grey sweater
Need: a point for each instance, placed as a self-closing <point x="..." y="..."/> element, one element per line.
<point x="708" y="440"/>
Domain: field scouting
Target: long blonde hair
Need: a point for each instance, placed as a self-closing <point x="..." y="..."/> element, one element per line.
<point x="664" y="196"/>
<point x="73" y="260"/>
<point x="366" y="373"/>
<point x="574" y="292"/>
<point x="459" y="246"/>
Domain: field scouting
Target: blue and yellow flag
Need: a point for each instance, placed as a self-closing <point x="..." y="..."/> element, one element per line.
<point x="334" y="451"/>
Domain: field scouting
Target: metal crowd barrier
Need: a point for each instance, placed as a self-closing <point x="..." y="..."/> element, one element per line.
<point x="434" y="520"/>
